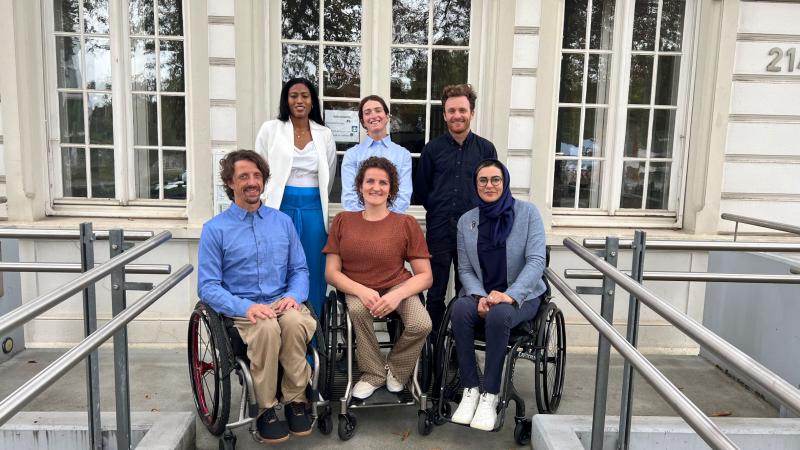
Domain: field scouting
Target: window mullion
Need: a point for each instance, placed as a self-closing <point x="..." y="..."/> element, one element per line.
<point x="120" y="100"/>
<point x="429" y="73"/>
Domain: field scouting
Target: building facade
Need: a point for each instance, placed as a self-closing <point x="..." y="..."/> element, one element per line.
<point x="611" y="115"/>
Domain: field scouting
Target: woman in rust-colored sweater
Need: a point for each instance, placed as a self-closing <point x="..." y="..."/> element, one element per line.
<point x="366" y="255"/>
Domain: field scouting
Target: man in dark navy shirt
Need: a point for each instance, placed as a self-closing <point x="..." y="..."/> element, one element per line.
<point x="443" y="185"/>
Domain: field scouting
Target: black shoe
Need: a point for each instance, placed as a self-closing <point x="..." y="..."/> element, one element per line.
<point x="270" y="429"/>
<point x="298" y="419"/>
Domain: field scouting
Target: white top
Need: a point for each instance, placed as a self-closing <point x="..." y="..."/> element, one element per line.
<point x="305" y="166"/>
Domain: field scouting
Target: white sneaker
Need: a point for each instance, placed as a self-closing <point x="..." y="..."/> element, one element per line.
<point x="392" y="384"/>
<point x="363" y="390"/>
<point x="485" y="416"/>
<point x="466" y="409"/>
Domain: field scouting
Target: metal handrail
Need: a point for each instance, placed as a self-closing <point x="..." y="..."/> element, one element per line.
<point x="760" y="223"/>
<point x="36" y="233"/>
<point x="588" y="274"/>
<point x="787" y="247"/>
<point x="28" y="311"/>
<point x="36" y="385"/>
<point x="134" y="269"/>
<point x="696" y="419"/>
<point x="760" y="375"/>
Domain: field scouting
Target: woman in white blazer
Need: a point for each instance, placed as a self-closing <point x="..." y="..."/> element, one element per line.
<point x="301" y="154"/>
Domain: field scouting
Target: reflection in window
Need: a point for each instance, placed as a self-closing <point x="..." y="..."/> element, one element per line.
<point x="158" y="98"/>
<point x="430" y="50"/>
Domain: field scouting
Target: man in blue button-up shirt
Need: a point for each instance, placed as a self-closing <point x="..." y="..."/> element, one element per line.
<point x="252" y="268"/>
<point x="374" y="116"/>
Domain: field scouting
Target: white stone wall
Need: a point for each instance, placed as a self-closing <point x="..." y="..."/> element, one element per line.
<point x="3" y="207"/>
<point x="524" y="63"/>
<point x="762" y="154"/>
<point x="222" y="75"/>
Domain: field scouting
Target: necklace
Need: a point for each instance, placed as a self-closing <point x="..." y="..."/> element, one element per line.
<point x="299" y="133"/>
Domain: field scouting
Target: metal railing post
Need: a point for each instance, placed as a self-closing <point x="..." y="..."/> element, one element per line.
<point x="89" y="327"/>
<point x="604" y="350"/>
<point x="632" y="335"/>
<point x="121" y="380"/>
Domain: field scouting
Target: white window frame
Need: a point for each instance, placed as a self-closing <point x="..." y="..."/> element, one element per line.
<point x="376" y="45"/>
<point x="610" y="214"/>
<point x="124" y="204"/>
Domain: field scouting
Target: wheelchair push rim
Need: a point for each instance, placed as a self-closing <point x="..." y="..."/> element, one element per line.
<point x="207" y="373"/>
<point x="550" y="361"/>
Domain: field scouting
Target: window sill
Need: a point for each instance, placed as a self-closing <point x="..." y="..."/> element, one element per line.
<point x="112" y="209"/>
<point x="180" y="228"/>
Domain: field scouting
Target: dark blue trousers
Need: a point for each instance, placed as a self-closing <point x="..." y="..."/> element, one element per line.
<point x="499" y="321"/>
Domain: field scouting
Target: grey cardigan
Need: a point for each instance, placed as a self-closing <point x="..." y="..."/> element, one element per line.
<point x="525" y="254"/>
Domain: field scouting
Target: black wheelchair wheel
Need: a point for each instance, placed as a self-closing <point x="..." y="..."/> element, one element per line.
<point x="227" y="441"/>
<point x="522" y="432"/>
<point x="424" y="423"/>
<point x="329" y="325"/>
<point x="209" y="368"/>
<point x="551" y="343"/>
<point x="325" y="423"/>
<point x="347" y="426"/>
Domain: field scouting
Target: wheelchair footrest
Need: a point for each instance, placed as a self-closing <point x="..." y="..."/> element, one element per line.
<point x="382" y="397"/>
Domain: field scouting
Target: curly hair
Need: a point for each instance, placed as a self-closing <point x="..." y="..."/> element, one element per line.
<point x="460" y="90"/>
<point x="376" y="162"/>
<point x="227" y="165"/>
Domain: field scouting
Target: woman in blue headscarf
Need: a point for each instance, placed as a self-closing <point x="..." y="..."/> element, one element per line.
<point x="501" y="255"/>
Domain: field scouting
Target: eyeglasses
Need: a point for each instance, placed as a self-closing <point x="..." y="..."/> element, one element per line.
<point x="483" y="181"/>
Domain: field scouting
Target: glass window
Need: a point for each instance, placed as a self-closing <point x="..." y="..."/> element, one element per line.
<point x="90" y="93"/>
<point x="596" y="141"/>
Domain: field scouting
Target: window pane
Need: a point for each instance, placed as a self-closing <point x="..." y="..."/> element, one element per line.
<point x="174" y="174"/>
<point x="143" y="64"/>
<point x="438" y="127"/>
<point x="342" y="71"/>
<point x="172" y="70"/>
<point x="569" y="122"/>
<point x="451" y="22"/>
<point x="658" y="185"/>
<point x="170" y="17"/>
<point x="591" y="176"/>
<point x="571" y="88"/>
<point x="95" y="16"/>
<point x="147" y="173"/>
<point x="66" y="15"/>
<point x="410" y="20"/>
<point x="173" y="121"/>
<point x="300" y="20"/>
<point x="73" y="172"/>
<point x="336" y="191"/>
<point x="641" y="79"/>
<point x="101" y="120"/>
<point x="343" y="20"/>
<point x="663" y="132"/>
<point x="145" y="120"/>
<point x="602" y="32"/>
<point x="594" y="130"/>
<point x="68" y="62"/>
<point x="448" y="67"/>
<point x="669" y="71"/>
<point x="645" y="15"/>
<point x="102" y="162"/>
<point x="300" y="61"/>
<point x="632" y="184"/>
<point x="597" y="84"/>
<point x="672" y="13"/>
<point x="636" y="133"/>
<point x="574" y="24"/>
<point x="142" y="17"/>
<point x="98" y="64"/>
<point x="409" y="73"/>
<point x="70" y="114"/>
<point x="408" y="126"/>
<point x="566" y="177"/>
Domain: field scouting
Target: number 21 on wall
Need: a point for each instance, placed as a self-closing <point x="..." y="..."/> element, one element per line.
<point x="777" y="55"/>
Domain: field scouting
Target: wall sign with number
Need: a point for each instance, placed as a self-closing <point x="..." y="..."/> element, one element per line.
<point x="783" y="60"/>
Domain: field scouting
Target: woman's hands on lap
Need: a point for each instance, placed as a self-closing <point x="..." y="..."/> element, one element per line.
<point x="493" y="298"/>
<point x="386" y="305"/>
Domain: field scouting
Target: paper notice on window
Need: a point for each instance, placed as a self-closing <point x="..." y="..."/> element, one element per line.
<point x="344" y="125"/>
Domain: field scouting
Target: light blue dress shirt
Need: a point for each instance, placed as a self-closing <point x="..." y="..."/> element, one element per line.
<point x="385" y="148"/>
<point x="250" y="257"/>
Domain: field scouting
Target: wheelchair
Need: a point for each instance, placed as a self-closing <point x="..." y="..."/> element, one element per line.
<point x="541" y="340"/>
<point x="216" y="351"/>
<point x="340" y="346"/>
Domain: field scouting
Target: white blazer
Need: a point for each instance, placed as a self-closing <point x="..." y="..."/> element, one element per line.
<point x="275" y="142"/>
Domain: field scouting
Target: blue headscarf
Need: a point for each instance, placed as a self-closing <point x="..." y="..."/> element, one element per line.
<point x="498" y="215"/>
